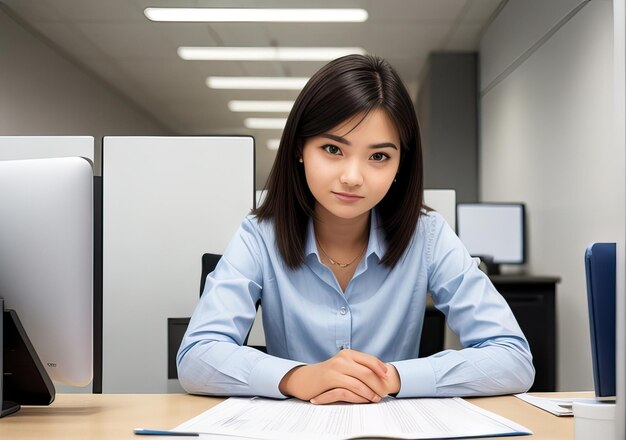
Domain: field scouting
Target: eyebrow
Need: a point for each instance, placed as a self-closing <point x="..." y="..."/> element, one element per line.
<point x="347" y="142"/>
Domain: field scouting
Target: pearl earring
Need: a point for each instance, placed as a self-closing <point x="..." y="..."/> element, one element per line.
<point x="300" y="160"/>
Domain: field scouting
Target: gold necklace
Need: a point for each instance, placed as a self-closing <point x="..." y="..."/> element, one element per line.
<point x="337" y="263"/>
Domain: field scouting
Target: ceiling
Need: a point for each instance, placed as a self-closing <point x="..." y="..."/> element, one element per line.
<point x="114" y="40"/>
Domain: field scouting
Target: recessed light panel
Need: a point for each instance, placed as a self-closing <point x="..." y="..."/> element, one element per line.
<point x="265" y="123"/>
<point x="257" y="15"/>
<point x="256" y="82"/>
<point x="266" y="53"/>
<point x="260" y="106"/>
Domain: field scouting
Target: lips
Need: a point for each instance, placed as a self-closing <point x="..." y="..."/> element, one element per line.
<point x="347" y="197"/>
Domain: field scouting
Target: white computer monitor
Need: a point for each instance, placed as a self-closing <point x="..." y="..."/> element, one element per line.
<point x="494" y="231"/>
<point x="46" y="262"/>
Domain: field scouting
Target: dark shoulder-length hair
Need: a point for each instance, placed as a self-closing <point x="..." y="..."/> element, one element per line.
<point x="348" y="86"/>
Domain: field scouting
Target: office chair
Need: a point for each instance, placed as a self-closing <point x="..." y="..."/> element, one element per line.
<point x="433" y="332"/>
<point x="209" y="262"/>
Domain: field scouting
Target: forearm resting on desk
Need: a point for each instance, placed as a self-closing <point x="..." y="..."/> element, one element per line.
<point x="224" y="369"/>
<point x="349" y="376"/>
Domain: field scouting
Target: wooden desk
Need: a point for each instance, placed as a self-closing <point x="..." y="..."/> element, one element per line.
<point x="113" y="416"/>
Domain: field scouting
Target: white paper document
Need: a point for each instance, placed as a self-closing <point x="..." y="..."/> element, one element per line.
<point x="555" y="405"/>
<point x="391" y="418"/>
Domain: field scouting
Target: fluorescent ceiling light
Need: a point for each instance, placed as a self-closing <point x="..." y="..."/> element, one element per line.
<point x="273" y="144"/>
<point x="257" y="15"/>
<point x="265" y="123"/>
<point x="256" y="82"/>
<point x="260" y="106"/>
<point x="267" y="53"/>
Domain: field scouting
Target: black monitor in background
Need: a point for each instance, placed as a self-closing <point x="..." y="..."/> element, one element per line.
<point x="495" y="232"/>
<point x="46" y="278"/>
<point x="600" y="264"/>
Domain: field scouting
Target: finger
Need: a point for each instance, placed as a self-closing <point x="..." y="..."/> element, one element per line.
<point x="365" y="376"/>
<point x="357" y="387"/>
<point x="367" y="360"/>
<point x="338" y="395"/>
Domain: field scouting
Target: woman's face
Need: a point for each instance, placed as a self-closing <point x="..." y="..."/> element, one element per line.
<point x="350" y="168"/>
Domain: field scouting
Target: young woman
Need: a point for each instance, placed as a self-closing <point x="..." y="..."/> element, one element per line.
<point x="342" y="254"/>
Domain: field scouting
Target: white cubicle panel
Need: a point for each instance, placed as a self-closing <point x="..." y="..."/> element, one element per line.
<point x="444" y="202"/>
<point x="43" y="147"/>
<point x="166" y="201"/>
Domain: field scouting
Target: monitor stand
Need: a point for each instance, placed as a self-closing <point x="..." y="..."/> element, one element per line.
<point x="487" y="265"/>
<point x="23" y="379"/>
<point x="8" y="407"/>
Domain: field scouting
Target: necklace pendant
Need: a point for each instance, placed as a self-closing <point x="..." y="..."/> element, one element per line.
<point x="336" y="263"/>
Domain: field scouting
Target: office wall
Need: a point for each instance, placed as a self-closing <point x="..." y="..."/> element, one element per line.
<point x="547" y="139"/>
<point x="447" y="108"/>
<point x="43" y="92"/>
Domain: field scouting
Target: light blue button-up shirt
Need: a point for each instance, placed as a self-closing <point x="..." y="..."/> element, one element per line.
<point x="307" y="317"/>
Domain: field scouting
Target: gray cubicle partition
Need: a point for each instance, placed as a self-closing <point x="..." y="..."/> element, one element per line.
<point x="166" y="201"/>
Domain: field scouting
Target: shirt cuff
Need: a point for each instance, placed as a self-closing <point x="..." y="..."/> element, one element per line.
<point x="267" y="374"/>
<point x="417" y="378"/>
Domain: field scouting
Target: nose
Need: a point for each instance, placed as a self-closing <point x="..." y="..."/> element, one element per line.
<point x="351" y="174"/>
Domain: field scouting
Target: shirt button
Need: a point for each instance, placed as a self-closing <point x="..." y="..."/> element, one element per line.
<point x="343" y="311"/>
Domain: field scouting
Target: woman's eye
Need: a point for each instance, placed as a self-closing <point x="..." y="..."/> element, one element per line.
<point x="332" y="149"/>
<point x="379" y="157"/>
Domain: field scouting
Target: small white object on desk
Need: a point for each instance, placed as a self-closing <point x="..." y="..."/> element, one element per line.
<point x="594" y="420"/>
<point x="557" y="406"/>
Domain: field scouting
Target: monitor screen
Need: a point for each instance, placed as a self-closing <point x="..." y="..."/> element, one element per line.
<point x="493" y="230"/>
<point x="46" y="260"/>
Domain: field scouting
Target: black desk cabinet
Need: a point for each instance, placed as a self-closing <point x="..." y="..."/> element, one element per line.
<point x="532" y="300"/>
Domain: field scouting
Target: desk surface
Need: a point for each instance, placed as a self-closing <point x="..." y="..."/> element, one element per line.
<point x="113" y="416"/>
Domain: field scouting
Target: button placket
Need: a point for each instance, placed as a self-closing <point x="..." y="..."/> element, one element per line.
<point x="344" y="328"/>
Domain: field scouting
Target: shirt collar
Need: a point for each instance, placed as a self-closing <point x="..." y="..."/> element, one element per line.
<point x="376" y="243"/>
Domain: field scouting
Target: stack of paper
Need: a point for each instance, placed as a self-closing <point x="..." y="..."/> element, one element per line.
<point x="391" y="418"/>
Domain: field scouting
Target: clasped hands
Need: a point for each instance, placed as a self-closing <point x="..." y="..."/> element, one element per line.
<point x="349" y="376"/>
